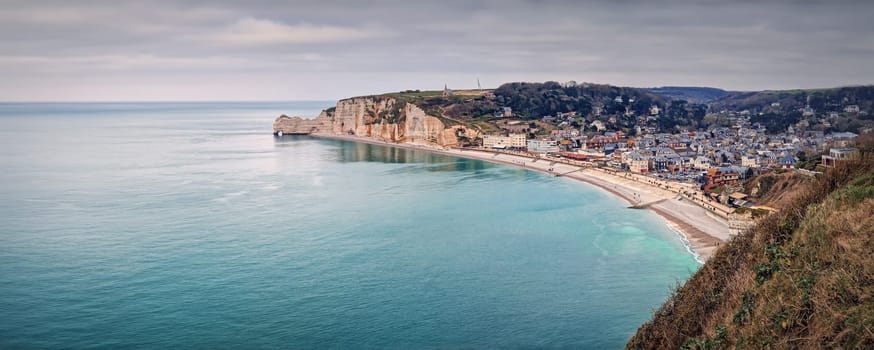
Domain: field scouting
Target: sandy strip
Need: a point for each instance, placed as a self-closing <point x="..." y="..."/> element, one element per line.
<point x="702" y="231"/>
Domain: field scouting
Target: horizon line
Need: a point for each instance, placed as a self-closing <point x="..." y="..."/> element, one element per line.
<point x="158" y="101"/>
<point x="338" y="99"/>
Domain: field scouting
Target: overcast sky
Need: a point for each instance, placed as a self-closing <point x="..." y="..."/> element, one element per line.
<point x="287" y="50"/>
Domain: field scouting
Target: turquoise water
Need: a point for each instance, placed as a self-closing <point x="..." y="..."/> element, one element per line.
<point x="187" y="225"/>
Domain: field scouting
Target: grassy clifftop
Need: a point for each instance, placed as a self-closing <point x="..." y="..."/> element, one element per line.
<point x="802" y="278"/>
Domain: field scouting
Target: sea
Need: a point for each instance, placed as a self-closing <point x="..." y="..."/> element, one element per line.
<point x="189" y="225"/>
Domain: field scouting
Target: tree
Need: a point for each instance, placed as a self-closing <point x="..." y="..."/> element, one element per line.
<point x="802" y="156"/>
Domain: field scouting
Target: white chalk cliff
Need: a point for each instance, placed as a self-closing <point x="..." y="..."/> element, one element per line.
<point x="378" y="117"/>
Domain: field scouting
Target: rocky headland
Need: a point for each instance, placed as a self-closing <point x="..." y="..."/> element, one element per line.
<point x="381" y="118"/>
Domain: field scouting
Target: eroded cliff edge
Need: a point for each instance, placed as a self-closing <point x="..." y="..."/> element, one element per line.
<point x="379" y="117"/>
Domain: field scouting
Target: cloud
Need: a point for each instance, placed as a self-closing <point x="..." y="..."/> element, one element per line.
<point x="252" y="31"/>
<point x="158" y="65"/>
<point x="340" y="48"/>
<point x="97" y="63"/>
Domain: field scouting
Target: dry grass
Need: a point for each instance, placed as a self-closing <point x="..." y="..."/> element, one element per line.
<point x="802" y="278"/>
<point x="777" y="189"/>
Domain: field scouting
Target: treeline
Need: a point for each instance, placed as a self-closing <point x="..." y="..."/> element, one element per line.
<point x="690" y="93"/>
<point x="684" y="114"/>
<point x="625" y="108"/>
<point x="535" y="100"/>
<point x="777" y="110"/>
<point x="785" y="101"/>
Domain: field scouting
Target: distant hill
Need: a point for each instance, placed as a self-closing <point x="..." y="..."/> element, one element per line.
<point x="534" y="100"/>
<point x="692" y="94"/>
<point x="803" y="278"/>
<point x="662" y="109"/>
<point x="835" y="109"/>
<point x="821" y="100"/>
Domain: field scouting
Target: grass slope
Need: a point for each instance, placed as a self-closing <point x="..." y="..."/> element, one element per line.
<point x="803" y="278"/>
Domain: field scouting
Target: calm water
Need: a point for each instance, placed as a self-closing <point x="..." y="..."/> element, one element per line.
<point x="190" y="225"/>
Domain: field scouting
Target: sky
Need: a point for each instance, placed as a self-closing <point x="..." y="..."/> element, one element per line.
<point x="325" y="50"/>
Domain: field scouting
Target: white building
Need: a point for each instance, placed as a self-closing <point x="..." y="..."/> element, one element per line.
<point x="542" y="146"/>
<point x="506" y="112"/>
<point x="501" y="142"/>
<point x="701" y="163"/>
<point x="599" y="125"/>
<point x="749" y="161"/>
<point x="839" y="154"/>
<point x="807" y="111"/>
<point x="636" y="162"/>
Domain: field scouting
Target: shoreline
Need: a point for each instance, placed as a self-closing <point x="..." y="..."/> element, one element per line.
<point x="700" y="232"/>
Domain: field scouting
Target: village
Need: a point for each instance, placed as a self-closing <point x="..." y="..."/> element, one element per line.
<point x="717" y="160"/>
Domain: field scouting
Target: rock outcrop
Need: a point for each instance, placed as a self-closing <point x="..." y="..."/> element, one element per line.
<point x="299" y="126"/>
<point x="379" y="117"/>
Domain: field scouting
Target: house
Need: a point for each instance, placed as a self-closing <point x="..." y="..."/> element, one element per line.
<point x="723" y="157"/>
<point x="852" y="109"/>
<point x="749" y="160"/>
<point x="769" y="159"/>
<point x="788" y="161"/>
<point x="649" y="129"/>
<point x="737" y="199"/>
<point x="599" y="125"/>
<point x="566" y="145"/>
<point x="601" y="141"/>
<point x="843" y="139"/>
<point x="507" y="112"/>
<point x="719" y="177"/>
<point x="741" y="171"/>
<point x="839" y="154"/>
<point x="660" y="163"/>
<point x="637" y="163"/>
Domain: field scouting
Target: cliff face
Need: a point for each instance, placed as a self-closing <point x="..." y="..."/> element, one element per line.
<point x="299" y="126"/>
<point x="378" y="117"/>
